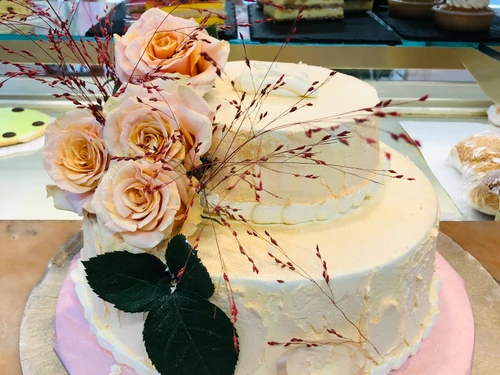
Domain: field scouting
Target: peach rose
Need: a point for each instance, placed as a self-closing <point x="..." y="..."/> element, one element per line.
<point x="170" y="118"/>
<point x="160" y="44"/>
<point x="75" y="158"/>
<point x="145" y="203"/>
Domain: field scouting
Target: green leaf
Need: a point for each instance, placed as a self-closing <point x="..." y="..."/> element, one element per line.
<point x="195" y="277"/>
<point x="185" y="334"/>
<point x="131" y="282"/>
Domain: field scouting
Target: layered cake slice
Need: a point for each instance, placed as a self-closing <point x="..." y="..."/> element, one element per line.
<point x="196" y="9"/>
<point x="288" y="10"/>
<point x="208" y="12"/>
<point x="356" y="6"/>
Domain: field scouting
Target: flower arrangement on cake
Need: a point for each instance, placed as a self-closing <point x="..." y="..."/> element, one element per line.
<point x="222" y="205"/>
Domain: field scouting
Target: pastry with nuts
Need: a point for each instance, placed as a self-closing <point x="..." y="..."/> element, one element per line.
<point x="477" y="154"/>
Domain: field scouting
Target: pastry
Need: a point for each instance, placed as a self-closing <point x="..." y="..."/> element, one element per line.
<point x="477" y="154"/>
<point x="494" y="114"/>
<point x="20" y="125"/>
<point x="484" y="195"/>
<point x="412" y="9"/>
<point x="195" y="9"/>
<point x="357" y="6"/>
<point x="464" y="15"/>
<point x="284" y="10"/>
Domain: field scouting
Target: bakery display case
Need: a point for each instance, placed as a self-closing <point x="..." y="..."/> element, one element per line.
<point x="403" y="58"/>
<point x="137" y="193"/>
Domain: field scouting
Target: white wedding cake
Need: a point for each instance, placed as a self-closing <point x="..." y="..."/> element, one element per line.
<point x="375" y="230"/>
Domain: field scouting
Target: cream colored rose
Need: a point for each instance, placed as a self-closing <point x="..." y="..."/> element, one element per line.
<point x="145" y="203"/>
<point x="160" y="44"/>
<point x="170" y="120"/>
<point x="74" y="157"/>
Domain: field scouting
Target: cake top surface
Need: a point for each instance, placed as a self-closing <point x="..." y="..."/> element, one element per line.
<point x="332" y="98"/>
<point x="380" y="231"/>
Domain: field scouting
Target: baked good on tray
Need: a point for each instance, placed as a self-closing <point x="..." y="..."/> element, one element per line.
<point x="285" y="10"/>
<point x="477" y="154"/>
<point x="196" y="9"/>
<point x="357" y="6"/>
<point x="464" y="15"/>
<point x="484" y="194"/>
<point x="412" y="9"/>
<point x="478" y="159"/>
<point x="212" y="12"/>
<point x="494" y="114"/>
<point x="21" y="125"/>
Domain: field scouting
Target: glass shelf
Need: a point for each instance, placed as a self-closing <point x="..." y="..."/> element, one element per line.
<point x="87" y="12"/>
<point x="481" y="60"/>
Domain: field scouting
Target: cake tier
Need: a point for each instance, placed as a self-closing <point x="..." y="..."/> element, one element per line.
<point x="448" y="351"/>
<point x="244" y="142"/>
<point x="381" y="262"/>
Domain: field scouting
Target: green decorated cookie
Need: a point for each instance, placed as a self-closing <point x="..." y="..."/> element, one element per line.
<point x="19" y="125"/>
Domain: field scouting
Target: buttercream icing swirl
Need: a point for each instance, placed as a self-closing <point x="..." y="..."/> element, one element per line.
<point x="468" y="4"/>
<point x="294" y="83"/>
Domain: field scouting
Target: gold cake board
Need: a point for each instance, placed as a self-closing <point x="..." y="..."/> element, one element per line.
<point x="37" y="327"/>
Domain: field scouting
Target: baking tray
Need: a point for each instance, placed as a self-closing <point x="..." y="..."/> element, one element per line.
<point x="355" y="29"/>
<point x="426" y="31"/>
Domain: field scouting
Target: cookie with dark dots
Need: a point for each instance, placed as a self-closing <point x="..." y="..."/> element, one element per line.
<point x="20" y="125"/>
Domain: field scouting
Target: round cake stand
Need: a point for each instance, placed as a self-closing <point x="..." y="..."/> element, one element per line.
<point x="37" y="327"/>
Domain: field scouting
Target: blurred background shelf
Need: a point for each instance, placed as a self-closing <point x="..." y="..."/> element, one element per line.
<point x="462" y="79"/>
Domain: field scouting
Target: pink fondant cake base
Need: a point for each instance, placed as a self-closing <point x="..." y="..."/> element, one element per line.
<point x="448" y="351"/>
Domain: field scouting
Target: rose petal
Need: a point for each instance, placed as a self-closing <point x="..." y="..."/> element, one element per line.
<point x="119" y="199"/>
<point x="64" y="200"/>
<point x="151" y="41"/>
<point x="143" y="240"/>
<point x="74" y="154"/>
<point x="146" y="221"/>
<point x="199" y="126"/>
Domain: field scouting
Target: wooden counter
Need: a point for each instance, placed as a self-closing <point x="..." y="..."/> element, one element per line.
<point x="27" y="247"/>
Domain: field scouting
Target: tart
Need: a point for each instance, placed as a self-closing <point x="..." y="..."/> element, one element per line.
<point x="412" y="9"/>
<point x="454" y="18"/>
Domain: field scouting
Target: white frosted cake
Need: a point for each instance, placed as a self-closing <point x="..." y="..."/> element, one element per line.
<point x="376" y="233"/>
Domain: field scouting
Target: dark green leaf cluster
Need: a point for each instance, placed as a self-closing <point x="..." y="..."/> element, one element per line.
<point x="184" y="333"/>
